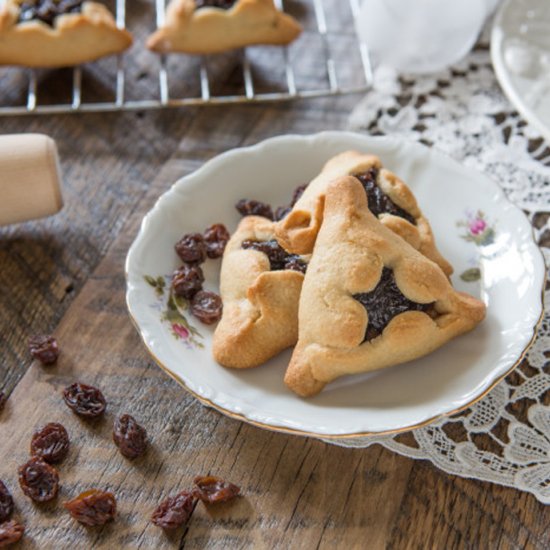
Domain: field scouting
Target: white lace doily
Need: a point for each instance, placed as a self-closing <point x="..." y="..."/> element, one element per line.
<point x="504" y="438"/>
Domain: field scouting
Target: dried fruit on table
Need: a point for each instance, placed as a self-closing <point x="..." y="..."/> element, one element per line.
<point x="84" y="400"/>
<point x="211" y="489"/>
<point x="175" y="511"/>
<point x="44" y="348"/>
<point x="93" y="507"/>
<point x="207" y="307"/>
<point x="51" y="443"/>
<point x="6" y="503"/>
<point x="10" y="532"/>
<point x="38" y="480"/>
<point x="129" y="436"/>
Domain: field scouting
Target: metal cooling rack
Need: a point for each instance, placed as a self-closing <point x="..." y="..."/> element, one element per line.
<point x="164" y="100"/>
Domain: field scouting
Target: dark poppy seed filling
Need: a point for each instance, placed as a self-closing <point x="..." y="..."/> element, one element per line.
<point x="47" y="10"/>
<point x="385" y="302"/>
<point x="222" y="4"/>
<point x="379" y="202"/>
<point x="279" y="258"/>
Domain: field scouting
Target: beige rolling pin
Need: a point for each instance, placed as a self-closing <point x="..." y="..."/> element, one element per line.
<point x="29" y="178"/>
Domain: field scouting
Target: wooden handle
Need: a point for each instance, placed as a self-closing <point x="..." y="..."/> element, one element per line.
<point x="29" y="178"/>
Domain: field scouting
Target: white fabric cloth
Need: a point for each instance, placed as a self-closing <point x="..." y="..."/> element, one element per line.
<point x="504" y="438"/>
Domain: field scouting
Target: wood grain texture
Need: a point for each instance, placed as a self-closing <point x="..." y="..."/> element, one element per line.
<point x="67" y="271"/>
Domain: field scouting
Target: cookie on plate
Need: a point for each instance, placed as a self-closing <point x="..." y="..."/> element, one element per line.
<point x="389" y="199"/>
<point x="260" y="287"/>
<point x="58" y="33"/>
<point x="211" y="26"/>
<point x="369" y="300"/>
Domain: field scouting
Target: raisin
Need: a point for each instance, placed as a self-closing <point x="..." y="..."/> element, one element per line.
<point x="216" y="238"/>
<point x="10" y="533"/>
<point x="378" y="201"/>
<point x="129" y="436"/>
<point x="6" y="503"/>
<point x="44" y="348"/>
<point x="222" y="4"/>
<point x="191" y="248"/>
<point x="51" y="443"/>
<point x="294" y="263"/>
<point x="384" y="302"/>
<point x="211" y="489"/>
<point x="38" y="480"/>
<point x="93" y="507"/>
<point x="207" y="307"/>
<point x="47" y="10"/>
<point x="84" y="400"/>
<point x="174" y="511"/>
<point x="276" y="254"/>
<point x="187" y="281"/>
<point x="254" y="208"/>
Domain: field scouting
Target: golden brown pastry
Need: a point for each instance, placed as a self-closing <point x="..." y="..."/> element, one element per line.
<point x="260" y="287"/>
<point x="211" y="26"/>
<point x="58" y="33"/>
<point x="369" y="300"/>
<point x="389" y="199"/>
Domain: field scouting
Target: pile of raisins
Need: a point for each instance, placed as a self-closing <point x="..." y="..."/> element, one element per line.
<point x="193" y="249"/>
<point x="39" y="479"/>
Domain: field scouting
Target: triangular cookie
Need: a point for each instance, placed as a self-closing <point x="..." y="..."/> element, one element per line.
<point x="390" y="200"/>
<point x="211" y="26"/>
<point x="409" y="310"/>
<point x="36" y="33"/>
<point x="260" y="296"/>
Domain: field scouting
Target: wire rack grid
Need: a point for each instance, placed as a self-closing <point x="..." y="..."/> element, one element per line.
<point x="164" y="100"/>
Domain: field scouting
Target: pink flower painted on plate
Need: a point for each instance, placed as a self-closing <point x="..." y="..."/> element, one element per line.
<point x="477" y="226"/>
<point x="480" y="232"/>
<point x="173" y="311"/>
<point x="180" y="331"/>
<point x="478" y="229"/>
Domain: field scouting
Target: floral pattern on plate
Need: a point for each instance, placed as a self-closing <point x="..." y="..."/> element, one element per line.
<point x="479" y="231"/>
<point x="173" y="310"/>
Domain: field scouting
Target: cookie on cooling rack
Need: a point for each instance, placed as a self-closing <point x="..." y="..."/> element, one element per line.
<point x="211" y="26"/>
<point x="369" y="300"/>
<point x="58" y="33"/>
<point x="388" y="198"/>
<point x="260" y="287"/>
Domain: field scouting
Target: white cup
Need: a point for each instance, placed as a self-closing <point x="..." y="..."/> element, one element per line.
<point x="421" y="36"/>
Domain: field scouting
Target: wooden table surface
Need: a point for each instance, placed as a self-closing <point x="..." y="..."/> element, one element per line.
<point x="65" y="275"/>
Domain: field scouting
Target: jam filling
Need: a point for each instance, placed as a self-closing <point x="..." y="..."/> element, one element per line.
<point x="379" y="202"/>
<point x="279" y="258"/>
<point x="385" y="302"/>
<point x="47" y="10"/>
<point x="222" y="4"/>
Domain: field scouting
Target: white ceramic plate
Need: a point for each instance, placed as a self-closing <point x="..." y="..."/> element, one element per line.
<point x="520" y="50"/>
<point x="487" y="239"/>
